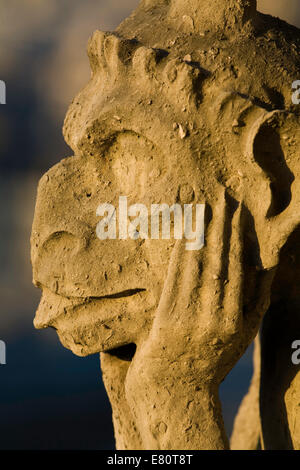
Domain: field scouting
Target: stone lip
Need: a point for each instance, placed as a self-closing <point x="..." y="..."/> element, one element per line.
<point x="90" y="325"/>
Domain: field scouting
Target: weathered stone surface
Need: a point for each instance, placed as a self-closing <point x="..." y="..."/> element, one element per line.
<point x="189" y="101"/>
<point x="247" y="426"/>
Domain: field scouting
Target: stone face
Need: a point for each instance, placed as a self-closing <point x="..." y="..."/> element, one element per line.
<point x="188" y="102"/>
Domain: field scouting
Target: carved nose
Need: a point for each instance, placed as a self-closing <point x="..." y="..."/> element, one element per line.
<point x="46" y="310"/>
<point x="43" y="314"/>
<point x="51" y="307"/>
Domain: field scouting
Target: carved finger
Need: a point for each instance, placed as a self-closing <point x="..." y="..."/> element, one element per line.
<point x="233" y="298"/>
<point x="280" y="229"/>
<point x="212" y="284"/>
<point x="179" y="296"/>
<point x="171" y="286"/>
<point x="255" y="311"/>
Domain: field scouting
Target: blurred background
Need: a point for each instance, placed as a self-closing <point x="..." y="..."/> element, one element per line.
<point x="50" y="399"/>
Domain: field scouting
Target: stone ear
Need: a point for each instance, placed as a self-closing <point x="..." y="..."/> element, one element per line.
<point x="273" y="144"/>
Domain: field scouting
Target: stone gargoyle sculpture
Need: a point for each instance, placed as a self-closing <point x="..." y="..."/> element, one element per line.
<point x="189" y="102"/>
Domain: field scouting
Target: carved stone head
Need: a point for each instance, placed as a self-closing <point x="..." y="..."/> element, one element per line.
<point x="189" y="102"/>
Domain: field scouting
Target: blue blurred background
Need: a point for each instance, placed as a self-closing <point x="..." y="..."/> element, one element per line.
<point x="50" y="399"/>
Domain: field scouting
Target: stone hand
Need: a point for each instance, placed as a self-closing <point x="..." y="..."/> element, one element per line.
<point x="201" y="328"/>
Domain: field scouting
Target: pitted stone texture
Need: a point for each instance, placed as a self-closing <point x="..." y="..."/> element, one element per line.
<point x="188" y="101"/>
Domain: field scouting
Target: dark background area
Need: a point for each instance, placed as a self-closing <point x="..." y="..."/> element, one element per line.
<point x="49" y="398"/>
